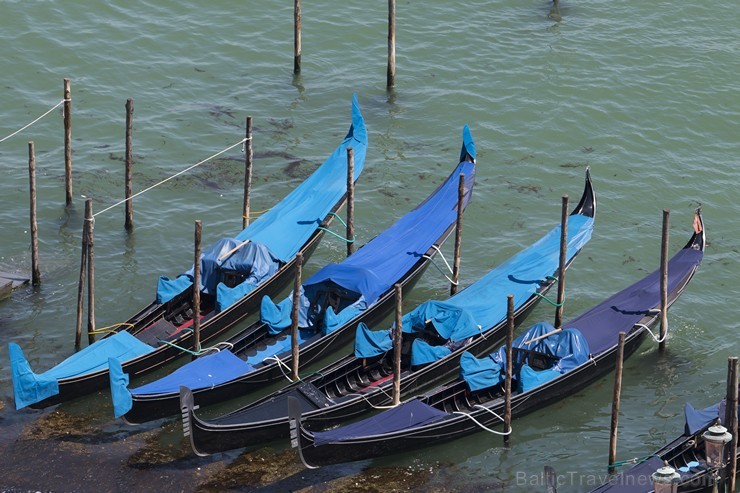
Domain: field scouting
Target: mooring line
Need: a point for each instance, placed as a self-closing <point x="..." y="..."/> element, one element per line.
<point x="37" y="119"/>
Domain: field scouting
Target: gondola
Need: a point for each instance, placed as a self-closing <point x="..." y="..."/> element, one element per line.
<point x="333" y="302"/>
<point x="236" y="273"/>
<point x="686" y="457"/>
<point x="548" y="366"/>
<point x="359" y="382"/>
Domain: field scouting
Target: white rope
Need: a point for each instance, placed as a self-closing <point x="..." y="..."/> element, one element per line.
<point x="171" y="177"/>
<point x="37" y="119"/>
<point x="370" y="403"/>
<point x="443" y="258"/>
<point x="440" y="270"/>
<point x="655" y="338"/>
<point x="281" y="364"/>
<point x="481" y="424"/>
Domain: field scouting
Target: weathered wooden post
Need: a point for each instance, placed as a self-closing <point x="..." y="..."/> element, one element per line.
<point x="129" y="224"/>
<point x="35" y="272"/>
<point x="68" y="141"/>
<point x="458" y="235"/>
<point x="294" y="315"/>
<point x="247" y="173"/>
<point x="297" y="37"/>
<point x="196" y="288"/>
<point x="397" y="341"/>
<point x="350" y="201"/>
<point x="731" y="419"/>
<point x="90" y="272"/>
<point x="616" y="397"/>
<point x="509" y="367"/>
<point x="664" y="280"/>
<point x="81" y="285"/>
<point x="391" y="73"/>
<point x="563" y="261"/>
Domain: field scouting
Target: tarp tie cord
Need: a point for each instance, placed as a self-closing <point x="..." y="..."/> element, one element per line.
<point x="110" y="329"/>
<point x="549" y="300"/>
<point x="481" y="424"/>
<point x="37" y="119"/>
<point x="635" y="460"/>
<point x="346" y="240"/>
<point x="171" y="177"/>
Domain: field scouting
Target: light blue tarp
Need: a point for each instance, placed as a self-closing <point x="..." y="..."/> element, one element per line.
<point x="483" y="304"/>
<point x="30" y="387"/>
<point x="383" y="261"/>
<point x="286" y="227"/>
<point x="567" y="346"/>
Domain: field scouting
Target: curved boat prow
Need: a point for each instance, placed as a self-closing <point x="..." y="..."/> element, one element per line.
<point x="467" y="153"/>
<point x="587" y="205"/>
<point x="187" y="407"/>
<point x="699" y="240"/>
<point x="296" y="438"/>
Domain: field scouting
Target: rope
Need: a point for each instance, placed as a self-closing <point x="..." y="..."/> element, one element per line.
<point x="347" y="240"/>
<point x="171" y="177"/>
<point x="504" y="433"/>
<point x="655" y="338"/>
<point x="281" y="364"/>
<point x="549" y="300"/>
<point x="37" y="119"/>
<point x="635" y="460"/>
<point x="440" y="270"/>
<point x="100" y="330"/>
<point x="251" y="214"/>
<point x="194" y="353"/>
<point x="370" y="403"/>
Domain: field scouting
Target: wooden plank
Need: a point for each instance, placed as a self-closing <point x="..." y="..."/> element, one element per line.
<point x="16" y="280"/>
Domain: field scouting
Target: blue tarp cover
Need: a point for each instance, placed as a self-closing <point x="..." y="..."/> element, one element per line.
<point x="602" y="324"/>
<point x="286" y="227"/>
<point x="30" y="387"/>
<point x="482" y="305"/>
<point x="696" y="419"/>
<point x="383" y="261"/>
<point x="568" y="346"/>
<point x="409" y="415"/>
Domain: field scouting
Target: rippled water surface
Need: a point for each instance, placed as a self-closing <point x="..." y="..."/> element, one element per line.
<point x="645" y="93"/>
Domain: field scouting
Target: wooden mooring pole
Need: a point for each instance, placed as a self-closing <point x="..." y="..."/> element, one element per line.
<point x="294" y="315"/>
<point x="616" y="398"/>
<point x="563" y="261"/>
<point x="196" y="288"/>
<point x="664" y="280"/>
<point x="350" y="201"/>
<point x="68" y="141"/>
<point x="297" y="37"/>
<point x="731" y="421"/>
<point x="35" y="272"/>
<point x="249" y="153"/>
<point x="509" y="366"/>
<point x="391" y="73"/>
<point x="90" y="271"/>
<point x="81" y="284"/>
<point x="129" y="222"/>
<point x="458" y="235"/>
<point x="397" y="341"/>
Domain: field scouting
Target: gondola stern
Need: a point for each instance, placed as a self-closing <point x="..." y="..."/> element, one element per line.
<point x="29" y="388"/>
<point x="188" y="407"/>
<point x="119" y="392"/>
<point x="467" y="153"/>
<point x="296" y="435"/>
<point x="587" y="205"/>
<point x="699" y="240"/>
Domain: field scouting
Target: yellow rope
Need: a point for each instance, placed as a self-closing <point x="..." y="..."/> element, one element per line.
<point x="254" y="213"/>
<point x="109" y="328"/>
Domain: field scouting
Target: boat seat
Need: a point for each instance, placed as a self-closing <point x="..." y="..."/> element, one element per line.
<point x="158" y="331"/>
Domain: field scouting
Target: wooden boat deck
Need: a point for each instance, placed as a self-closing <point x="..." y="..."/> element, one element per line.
<point x="9" y="282"/>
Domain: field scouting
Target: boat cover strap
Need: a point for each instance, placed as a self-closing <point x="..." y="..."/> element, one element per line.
<point x="30" y="387"/>
<point x="409" y="415"/>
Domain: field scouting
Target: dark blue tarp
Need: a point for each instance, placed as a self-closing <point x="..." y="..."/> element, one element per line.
<point x="383" y="261"/>
<point x="634" y="480"/>
<point x="286" y="227"/>
<point x="696" y="419"/>
<point x="482" y="305"/>
<point x="409" y="415"/>
<point x="602" y="324"/>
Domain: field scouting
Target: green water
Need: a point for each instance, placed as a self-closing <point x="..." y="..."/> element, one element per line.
<point x="645" y="93"/>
